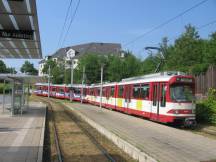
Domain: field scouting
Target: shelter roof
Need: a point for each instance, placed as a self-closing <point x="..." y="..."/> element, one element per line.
<point x="19" y="30"/>
<point x="32" y="79"/>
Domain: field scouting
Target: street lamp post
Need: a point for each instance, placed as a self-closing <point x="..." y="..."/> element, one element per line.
<point x="101" y="87"/>
<point x="72" y="70"/>
<point x="49" y="82"/>
<point x="83" y="78"/>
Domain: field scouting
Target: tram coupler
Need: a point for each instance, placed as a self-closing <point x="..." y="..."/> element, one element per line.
<point x="190" y="123"/>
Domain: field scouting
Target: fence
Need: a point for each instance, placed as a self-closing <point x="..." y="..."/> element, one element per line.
<point x="206" y="81"/>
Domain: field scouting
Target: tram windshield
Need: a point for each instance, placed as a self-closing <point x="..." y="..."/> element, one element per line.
<point x="181" y="93"/>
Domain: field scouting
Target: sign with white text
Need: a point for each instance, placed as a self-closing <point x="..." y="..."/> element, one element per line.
<point x="17" y="34"/>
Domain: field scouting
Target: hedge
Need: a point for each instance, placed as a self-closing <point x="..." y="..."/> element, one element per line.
<point x="206" y="109"/>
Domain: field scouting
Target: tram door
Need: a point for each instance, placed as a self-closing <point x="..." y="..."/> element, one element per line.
<point x="127" y="97"/>
<point x="158" y="99"/>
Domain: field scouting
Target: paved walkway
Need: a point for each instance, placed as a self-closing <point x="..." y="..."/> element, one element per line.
<point x="166" y="144"/>
<point x="21" y="137"/>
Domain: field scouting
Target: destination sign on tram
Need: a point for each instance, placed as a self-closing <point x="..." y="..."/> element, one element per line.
<point x="187" y="80"/>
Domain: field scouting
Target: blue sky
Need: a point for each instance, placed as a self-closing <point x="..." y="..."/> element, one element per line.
<point x="118" y="21"/>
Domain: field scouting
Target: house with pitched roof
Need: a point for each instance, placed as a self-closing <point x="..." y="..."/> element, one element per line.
<point x="73" y="53"/>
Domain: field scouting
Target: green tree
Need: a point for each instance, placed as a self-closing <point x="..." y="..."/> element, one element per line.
<point x="187" y="53"/>
<point x="48" y="63"/>
<point x="92" y="63"/>
<point x="56" y="71"/>
<point x="28" y="68"/>
<point x="3" y="68"/>
<point x="210" y="50"/>
<point x="149" y="65"/>
<point x="11" y="70"/>
<point x="187" y="50"/>
<point x="57" y="74"/>
<point x="114" y="69"/>
<point x="131" y="65"/>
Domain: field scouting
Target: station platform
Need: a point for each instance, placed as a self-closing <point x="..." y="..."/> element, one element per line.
<point x="160" y="142"/>
<point x="22" y="136"/>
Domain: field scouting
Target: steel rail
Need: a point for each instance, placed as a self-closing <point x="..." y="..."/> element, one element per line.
<point x="58" y="149"/>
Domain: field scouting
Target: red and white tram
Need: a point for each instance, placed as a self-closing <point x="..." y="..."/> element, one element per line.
<point x="165" y="97"/>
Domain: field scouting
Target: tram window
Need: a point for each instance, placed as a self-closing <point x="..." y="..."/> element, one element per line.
<point x="154" y="95"/>
<point x="84" y="91"/>
<point x="112" y="92"/>
<point x="92" y="92"/>
<point x="144" y="94"/>
<point x="104" y="92"/>
<point x="136" y="91"/>
<point x="120" y="91"/>
<point x="98" y="92"/>
<point x="77" y="91"/>
<point x="108" y="91"/>
<point x="61" y="90"/>
<point x="163" y="95"/>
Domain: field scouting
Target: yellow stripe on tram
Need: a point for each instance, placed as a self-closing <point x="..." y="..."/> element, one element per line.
<point x="139" y="104"/>
<point x="119" y="102"/>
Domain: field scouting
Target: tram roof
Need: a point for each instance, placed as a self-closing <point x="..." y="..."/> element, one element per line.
<point x="62" y="85"/>
<point x="19" y="30"/>
<point x="156" y="77"/>
<point x="104" y="84"/>
<point x="31" y="79"/>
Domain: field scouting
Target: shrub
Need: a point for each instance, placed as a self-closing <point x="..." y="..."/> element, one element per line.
<point x="206" y="109"/>
<point x="7" y="88"/>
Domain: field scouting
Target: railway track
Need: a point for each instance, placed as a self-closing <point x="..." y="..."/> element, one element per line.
<point x="58" y="149"/>
<point x="97" y="144"/>
<point x="61" y="152"/>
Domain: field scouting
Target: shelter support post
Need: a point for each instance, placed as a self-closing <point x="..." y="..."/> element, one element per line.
<point x="3" y="99"/>
<point x="28" y="96"/>
<point x="22" y="98"/>
<point x="12" y="98"/>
